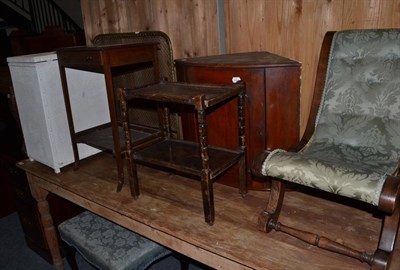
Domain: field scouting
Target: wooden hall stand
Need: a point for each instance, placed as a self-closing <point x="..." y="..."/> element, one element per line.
<point x="170" y="212"/>
<point x="106" y="59"/>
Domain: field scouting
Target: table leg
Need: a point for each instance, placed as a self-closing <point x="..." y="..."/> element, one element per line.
<point x="206" y="181"/>
<point x="131" y="164"/>
<point x="70" y="119"/>
<point x="242" y="143"/>
<point x="114" y="125"/>
<point x="50" y="233"/>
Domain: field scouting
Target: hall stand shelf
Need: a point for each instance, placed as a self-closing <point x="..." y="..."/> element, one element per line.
<point x="193" y="159"/>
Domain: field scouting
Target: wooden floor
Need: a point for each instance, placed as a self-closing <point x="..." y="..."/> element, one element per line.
<point x="170" y="205"/>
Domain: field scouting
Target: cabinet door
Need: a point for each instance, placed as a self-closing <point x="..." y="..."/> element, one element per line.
<point x="222" y="121"/>
<point x="282" y="110"/>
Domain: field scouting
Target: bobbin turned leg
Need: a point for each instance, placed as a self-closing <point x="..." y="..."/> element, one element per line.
<point x="206" y="181"/>
<point x="130" y="163"/>
<point x="242" y="144"/>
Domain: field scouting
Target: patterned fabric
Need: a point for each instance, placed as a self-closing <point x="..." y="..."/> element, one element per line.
<point x="356" y="143"/>
<point x="107" y="245"/>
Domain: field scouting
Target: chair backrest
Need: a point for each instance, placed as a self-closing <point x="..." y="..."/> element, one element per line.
<point x="360" y="105"/>
<point x="143" y="113"/>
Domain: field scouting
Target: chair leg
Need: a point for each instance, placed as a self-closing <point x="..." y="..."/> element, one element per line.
<point x="389" y="204"/>
<point x="271" y="212"/>
<point x="383" y="255"/>
<point x="268" y="220"/>
<point x="70" y="253"/>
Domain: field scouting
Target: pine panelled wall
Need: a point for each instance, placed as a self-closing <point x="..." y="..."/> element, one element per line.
<point x="291" y="28"/>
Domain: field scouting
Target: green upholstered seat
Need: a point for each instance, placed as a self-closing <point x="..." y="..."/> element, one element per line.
<point x="356" y="142"/>
<point x="107" y="245"/>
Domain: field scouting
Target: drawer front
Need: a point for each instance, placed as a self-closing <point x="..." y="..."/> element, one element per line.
<point x="73" y="59"/>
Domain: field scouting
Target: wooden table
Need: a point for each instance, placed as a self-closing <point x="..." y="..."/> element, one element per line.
<point x="104" y="59"/>
<point x="169" y="211"/>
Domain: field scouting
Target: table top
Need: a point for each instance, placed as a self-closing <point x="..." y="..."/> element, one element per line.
<point x="106" y="56"/>
<point x="169" y="211"/>
<point x="239" y="60"/>
<point x="184" y="93"/>
<point x="106" y="47"/>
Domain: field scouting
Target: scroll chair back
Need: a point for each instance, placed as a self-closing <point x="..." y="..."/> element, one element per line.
<point x="143" y="113"/>
<point x="351" y="146"/>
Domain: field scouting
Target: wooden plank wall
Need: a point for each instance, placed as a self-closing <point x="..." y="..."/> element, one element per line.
<point x="292" y="28"/>
<point x="185" y="22"/>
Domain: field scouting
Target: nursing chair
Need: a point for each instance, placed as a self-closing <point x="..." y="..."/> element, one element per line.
<point x="351" y="146"/>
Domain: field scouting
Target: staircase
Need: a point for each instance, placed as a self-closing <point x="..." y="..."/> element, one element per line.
<point x="33" y="16"/>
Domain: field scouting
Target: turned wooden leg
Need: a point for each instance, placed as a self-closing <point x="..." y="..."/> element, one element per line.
<point x="208" y="197"/>
<point x="242" y="143"/>
<point x="271" y="212"/>
<point x="50" y="233"/>
<point x="130" y="163"/>
<point x="268" y="220"/>
<point x="206" y="181"/>
<point x="242" y="177"/>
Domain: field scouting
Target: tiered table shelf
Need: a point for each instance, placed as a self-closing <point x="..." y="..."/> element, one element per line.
<point x="195" y="159"/>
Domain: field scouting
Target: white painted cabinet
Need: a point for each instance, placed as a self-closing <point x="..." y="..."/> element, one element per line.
<point x="37" y="86"/>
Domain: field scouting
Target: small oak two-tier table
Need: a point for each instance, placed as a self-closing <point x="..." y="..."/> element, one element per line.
<point x="194" y="159"/>
<point x="107" y="59"/>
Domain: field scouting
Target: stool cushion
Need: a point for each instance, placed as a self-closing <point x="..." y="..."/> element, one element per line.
<point x="107" y="245"/>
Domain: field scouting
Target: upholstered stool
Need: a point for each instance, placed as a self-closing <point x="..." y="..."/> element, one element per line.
<point x="107" y="245"/>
